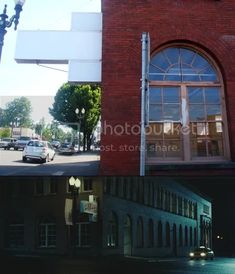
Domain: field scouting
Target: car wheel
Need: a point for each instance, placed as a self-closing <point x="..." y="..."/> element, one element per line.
<point x="24" y="159"/>
<point x="15" y="148"/>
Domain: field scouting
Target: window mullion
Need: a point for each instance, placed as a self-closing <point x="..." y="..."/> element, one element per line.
<point x="185" y="124"/>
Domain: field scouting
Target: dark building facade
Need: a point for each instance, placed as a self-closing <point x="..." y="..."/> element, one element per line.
<point x="127" y="216"/>
<point x="191" y="77"/>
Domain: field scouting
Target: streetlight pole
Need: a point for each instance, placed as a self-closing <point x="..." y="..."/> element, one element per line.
<point x="80" y="114"/>
<point x="75" y="185"/>
<point x="4" y="23"/>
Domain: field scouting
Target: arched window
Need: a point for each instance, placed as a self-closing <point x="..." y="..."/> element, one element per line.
<point x="159" y="234"/>
<point x="150" y="233"/>
<point x="186" y="236"/>
<point x="112" y="235"/>
<point x="168" y="235"/>
<point x="140" y="232"/>
<point x="180" y="236"/>
<point x="186" y="108"/>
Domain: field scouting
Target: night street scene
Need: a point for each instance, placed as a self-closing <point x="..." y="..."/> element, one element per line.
<point x="117" y="224"/>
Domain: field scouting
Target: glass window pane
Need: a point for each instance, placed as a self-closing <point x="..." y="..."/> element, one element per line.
<point x="155" y="73"/>
<point x="187" y="56"/>
<point x="213" y="112"/>
<point x="198" y="148"/>
<point x="154" y="130"/>
<point x="195" y="95"/>
<point x="199" y="129"/>
<point x="200" y="62"/>
<point x="212" y="95"/>
<point x="215" y="130"/>
<point x="155" y="96"/>
<point x="197" y="112"/>
<point x="208" y="74"/>
<point x="172" y="54"/>
<point x="189" y="74"/>
<point x="181" y="64"/>
<point x="160" y="61"/>
<point x="155" y="113"/>
<point x="173" y="74"/>
<point x="171" y="112"/>
<point x="155" y="149"/>
<point x="172" y="131"/>
<point x="171" y="95"/>
<point x="173" y="148"/>
<point x="215" y="147"/>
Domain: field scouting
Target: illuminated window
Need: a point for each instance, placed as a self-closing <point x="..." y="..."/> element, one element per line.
<point x="112" y="235"/>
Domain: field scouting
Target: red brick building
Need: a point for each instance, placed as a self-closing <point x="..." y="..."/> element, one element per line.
<point x="192" y="86"/>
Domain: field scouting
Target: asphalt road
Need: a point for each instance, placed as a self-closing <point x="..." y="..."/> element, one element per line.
<point x="83" y="164"/>
<point x="110" y="266"/>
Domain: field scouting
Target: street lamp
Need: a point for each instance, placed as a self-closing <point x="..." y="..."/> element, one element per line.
<point x="4" y="23"/>
<point x="80" y="115"/>
<point x="75" y="185"/>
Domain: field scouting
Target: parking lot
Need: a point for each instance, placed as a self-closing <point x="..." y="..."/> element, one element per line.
<point x="81" y="164"/>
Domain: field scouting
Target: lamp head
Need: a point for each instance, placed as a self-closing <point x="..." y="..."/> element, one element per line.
<point x="76" y="110"/>
<point x="83" y="110"/>
<point x="72" y="181"/>
<point x="77" y="183"/>
<point x="20" y="2"/>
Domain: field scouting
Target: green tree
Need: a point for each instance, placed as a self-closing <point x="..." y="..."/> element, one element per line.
<point x="17" y="113"/>
<point x="71" y="97"/>
<point x="5" y="132"/>
<point x="39" y="127"/>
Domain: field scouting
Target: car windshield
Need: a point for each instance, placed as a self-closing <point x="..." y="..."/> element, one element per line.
<point x="6" y="139"/>
<point x="200" y="249"/>
<point x="65" y="145"/>
<point x="36" y="144"/>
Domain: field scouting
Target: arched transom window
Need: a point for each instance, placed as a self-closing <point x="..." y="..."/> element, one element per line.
<point x="187" y="118"/>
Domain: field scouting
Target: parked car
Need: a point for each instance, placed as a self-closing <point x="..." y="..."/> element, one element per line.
<point x="22" y="142"/>
<point x="67" y="148"/>
<point x="38" y="150"/>
<point x="55" y="144"/>
<point x="7" y="143"/>
<point x="202" y="252"/>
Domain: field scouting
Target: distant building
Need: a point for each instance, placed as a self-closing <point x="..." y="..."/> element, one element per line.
<point x="21" y="131"/>
<point x="121" y="216"/>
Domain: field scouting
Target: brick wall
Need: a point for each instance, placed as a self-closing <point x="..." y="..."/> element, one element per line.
<point x="207" y="24"/>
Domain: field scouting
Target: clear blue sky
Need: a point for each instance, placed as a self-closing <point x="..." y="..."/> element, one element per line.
<point x="32" y="80"/>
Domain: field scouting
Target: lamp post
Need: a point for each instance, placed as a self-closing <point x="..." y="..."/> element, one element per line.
<point x="4" y="23"/>
<point x="75" y="185"/>
<point x="80" y="115"/>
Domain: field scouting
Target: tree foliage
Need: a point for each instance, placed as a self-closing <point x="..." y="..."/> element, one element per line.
<point x="71" y="97"/>
<point x="17" y="113"/>
<point x="5" y="132"/>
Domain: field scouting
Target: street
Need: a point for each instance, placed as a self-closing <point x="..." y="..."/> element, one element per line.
<point x="109" y="265"/>
<point x="84" y="164"/>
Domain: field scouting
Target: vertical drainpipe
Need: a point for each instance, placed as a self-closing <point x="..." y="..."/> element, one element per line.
<point x="144" y="97"/>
